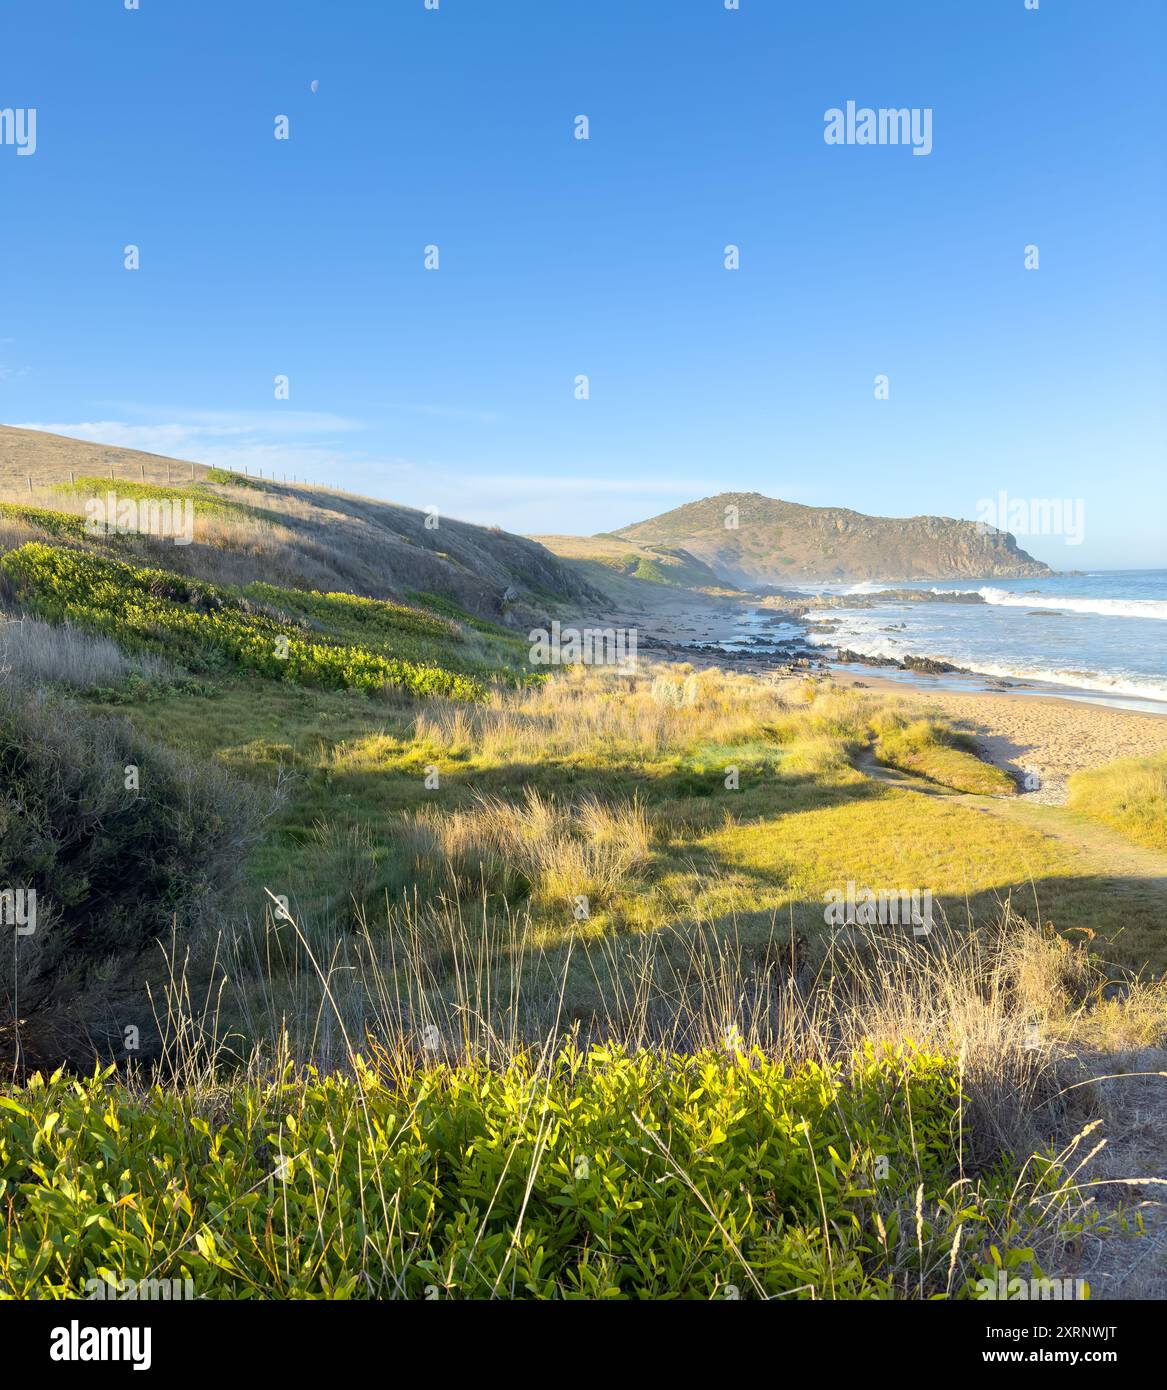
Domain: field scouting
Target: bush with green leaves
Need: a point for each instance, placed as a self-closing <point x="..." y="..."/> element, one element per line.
<point x="225" y="477"/>
<point x="204" y="502"/>
<point x="206" y="626"/>
<point x="605" y="1174"/>
<point x="60" y="525"/>
<point x="371" y="620"/>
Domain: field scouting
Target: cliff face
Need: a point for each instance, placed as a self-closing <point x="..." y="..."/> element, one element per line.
<point x="750" y="539"/>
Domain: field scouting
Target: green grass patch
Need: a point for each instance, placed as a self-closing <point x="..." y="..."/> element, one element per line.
<point x="205" y="502"/>
<point x="447" y="608"/>
<point x="348" y="615"/>
<point x="777" y="869"/>
<point x="1129" y="795"/>
<point x="941" y="755"/>
<point x="59" y="525"/>
<point x="749" y="859"/>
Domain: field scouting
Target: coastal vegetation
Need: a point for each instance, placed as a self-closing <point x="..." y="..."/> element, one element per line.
<point x="371" y="961"/>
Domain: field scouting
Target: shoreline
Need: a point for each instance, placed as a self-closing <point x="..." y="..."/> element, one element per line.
<point x="963" y="681"/>
<point x="747" y="635"/>
<point x="1039" y="733"/>
<point x="782" y="632"/>
<point x="798" y="653"/>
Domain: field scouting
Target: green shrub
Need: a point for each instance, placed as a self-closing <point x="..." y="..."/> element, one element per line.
<point x="206" y="626"/>
<point x="352" y="616"/>
<point x="224" y="477"/>
<point x="58" y="524"/>
<point x="610" y="1175"/>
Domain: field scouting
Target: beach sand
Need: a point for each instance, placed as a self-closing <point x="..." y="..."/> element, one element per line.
<point x="1035" y="733"/>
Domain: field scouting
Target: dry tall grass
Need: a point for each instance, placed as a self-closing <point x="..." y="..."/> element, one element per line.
<point x="1017" y="1005"/>
<point x="593" y="713"/>
<point x="32" y="651"/>
<point x="559" y="850"/>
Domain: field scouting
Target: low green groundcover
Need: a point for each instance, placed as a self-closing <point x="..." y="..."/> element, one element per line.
<point x="603" y="1175"/>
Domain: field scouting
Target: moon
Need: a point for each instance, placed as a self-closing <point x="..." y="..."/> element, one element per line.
<point x="314" y="85"/>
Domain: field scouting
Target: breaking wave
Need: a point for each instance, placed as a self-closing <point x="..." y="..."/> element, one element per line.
<point x="1106" y="607"/>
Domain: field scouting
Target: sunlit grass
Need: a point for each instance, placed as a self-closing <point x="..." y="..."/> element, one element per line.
<point x="1129" y="795"/>
<point x="931" y="749"/>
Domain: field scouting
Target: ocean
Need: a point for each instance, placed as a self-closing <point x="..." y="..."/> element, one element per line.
<point x="1100" y="635"/>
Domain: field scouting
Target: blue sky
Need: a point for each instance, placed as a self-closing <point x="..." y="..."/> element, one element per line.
<point x="602" y="257"/>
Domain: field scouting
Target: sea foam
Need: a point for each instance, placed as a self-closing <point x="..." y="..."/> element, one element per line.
<point x="1106" y="607"/>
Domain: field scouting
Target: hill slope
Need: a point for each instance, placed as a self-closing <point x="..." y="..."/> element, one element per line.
<point x="605" y="557"/>
<point x="300" y="535"/>
<point x="776" y="540"/>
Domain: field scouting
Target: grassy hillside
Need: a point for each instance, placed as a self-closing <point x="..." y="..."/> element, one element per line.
<point x="335" y="640"/>
<point x="300" y="536"/>
<point x="772" y="541"/>
<point x="609" y="556"/>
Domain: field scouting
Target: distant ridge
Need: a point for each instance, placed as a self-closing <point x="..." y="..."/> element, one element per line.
<point x="774" y="541"/>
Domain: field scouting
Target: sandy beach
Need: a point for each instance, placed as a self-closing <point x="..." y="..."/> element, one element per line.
<point x="1035" y="733"/>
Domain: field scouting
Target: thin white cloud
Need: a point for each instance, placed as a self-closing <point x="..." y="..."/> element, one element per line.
<point x="528" y="487"/>
<point x="272" y="441"/>
<point x="527" y="504"/>
<point x="277" y="421"/>
<point x="565" y="486"/>
<point x="201" y="425"/>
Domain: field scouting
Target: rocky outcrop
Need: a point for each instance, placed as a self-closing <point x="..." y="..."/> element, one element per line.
<point x="752" y="540"/>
